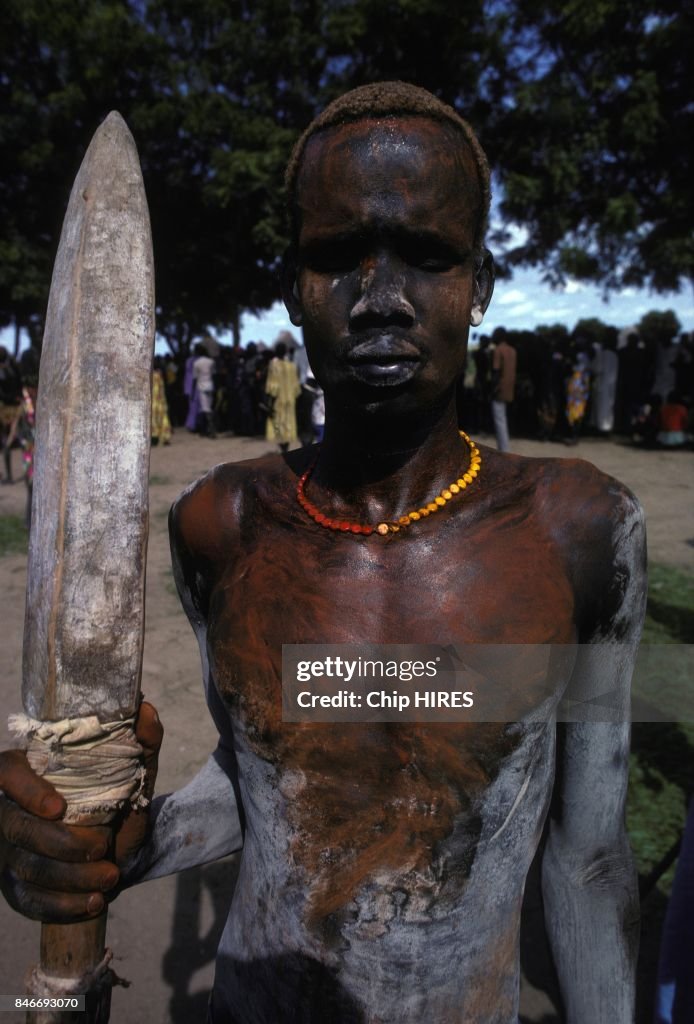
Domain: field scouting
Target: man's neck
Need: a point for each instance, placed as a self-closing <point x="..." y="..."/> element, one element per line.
<point x="373" y="467"/>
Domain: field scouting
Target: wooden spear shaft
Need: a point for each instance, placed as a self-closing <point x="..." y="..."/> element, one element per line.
<point x="84" y="624"/>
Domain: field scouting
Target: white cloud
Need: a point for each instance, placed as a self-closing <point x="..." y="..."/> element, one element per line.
<point x="507" y="298"/>
<point x="521" y="309"/>
<point x="571" y="287"/>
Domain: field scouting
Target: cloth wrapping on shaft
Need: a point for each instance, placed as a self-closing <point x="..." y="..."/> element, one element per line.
<point x="39" y="984"/>
<point x="95" y="765"/>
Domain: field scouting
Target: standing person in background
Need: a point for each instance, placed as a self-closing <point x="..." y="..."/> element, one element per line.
<point x="673" y="422"/>
<point x="300" y="360"/>
<point x="482" y="357"/>
<point x="503" y="385"/>
<point x="22" y="429"/>
<point x="577" y="395"/>
<point x="190" y="390"/>
<point x="634" y="381"/>
<point x="605" y="369"/>
<point x="10" y="395"/>
<point x="203" y="372"/>
<point x="161" y="424"/>
<point x="283" y="388"/>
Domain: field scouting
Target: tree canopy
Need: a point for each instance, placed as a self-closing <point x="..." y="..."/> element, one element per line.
<point x="595" y="156"/>
<point x="583" y="110"/>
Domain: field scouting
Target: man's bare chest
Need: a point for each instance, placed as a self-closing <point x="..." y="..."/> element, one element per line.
<point x="318" y="587"/>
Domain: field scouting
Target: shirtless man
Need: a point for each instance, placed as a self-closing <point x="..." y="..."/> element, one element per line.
<point x="383" y="865"/>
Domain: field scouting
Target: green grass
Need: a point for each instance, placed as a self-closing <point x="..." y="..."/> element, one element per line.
<point x="670" y="611"/>
<point x="662" y="759"/>
<point x="14" y="538"/>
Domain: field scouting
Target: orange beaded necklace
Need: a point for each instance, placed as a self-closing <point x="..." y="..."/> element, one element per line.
<point x="387" y="528"/>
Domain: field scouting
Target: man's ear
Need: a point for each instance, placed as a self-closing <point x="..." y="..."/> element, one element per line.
<point x="484" y="287"/>
<point x="290" y="286"/>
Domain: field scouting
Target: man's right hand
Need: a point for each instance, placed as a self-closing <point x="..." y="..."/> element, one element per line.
<point x="59" y="873"/>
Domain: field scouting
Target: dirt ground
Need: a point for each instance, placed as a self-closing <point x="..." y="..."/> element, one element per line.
<point x="164" y="935"/>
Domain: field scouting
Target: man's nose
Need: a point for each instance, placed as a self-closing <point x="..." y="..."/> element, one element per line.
<point x="382" y="299"/>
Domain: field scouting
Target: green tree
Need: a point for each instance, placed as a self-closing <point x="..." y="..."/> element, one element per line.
<point x="582" y="108"/>
<point x="65" y="65"/>
<point x="594" y="138"/>
<point x="593" y="330"/>
<point x="659" y="327"/>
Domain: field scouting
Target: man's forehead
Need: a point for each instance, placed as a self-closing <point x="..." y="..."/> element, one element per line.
<point x="413" y="145"/>
<point x="427" y="162"/>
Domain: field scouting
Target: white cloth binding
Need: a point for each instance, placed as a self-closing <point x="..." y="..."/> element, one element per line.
<point x="95" y="765"/>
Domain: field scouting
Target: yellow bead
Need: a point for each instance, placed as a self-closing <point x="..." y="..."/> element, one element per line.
<point x="439" y="500"/>
<point x="467" y="478"/>
<point x="432" y="506"/>
<point x="474" y="452"/>
<point x="414" y="516"/>
<point x="404" y="520"/>
<point x="393" y="527"/>
<point x="446" y="494"/>
<point x="454" y="489"/>
<point x="424" y="512"/>
<point x="462" y="484"/>
<point x="382" y="528"/>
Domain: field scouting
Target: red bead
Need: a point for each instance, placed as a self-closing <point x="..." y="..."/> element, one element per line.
<point x="345" y="527"/>
<point x="320" y="518"/>
<point x="356" y="528"/>
<point x="366" y="530"/>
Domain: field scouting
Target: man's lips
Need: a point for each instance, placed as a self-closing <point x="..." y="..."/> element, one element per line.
<point x="384" y="351"/>
<point x="384" y="360"/>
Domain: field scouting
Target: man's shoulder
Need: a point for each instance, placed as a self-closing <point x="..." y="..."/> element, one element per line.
<point x="571" y="497"/>
<point x="215" y="506"/>
<point x="597" y="527"/>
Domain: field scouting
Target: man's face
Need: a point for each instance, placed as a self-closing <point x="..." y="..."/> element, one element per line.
<point x="385" y="285"/>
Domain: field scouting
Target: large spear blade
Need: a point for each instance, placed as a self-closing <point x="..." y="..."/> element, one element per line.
<point x="84" y="623"/>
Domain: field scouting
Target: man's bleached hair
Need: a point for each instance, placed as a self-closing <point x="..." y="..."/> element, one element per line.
<point x="390" y="99"/>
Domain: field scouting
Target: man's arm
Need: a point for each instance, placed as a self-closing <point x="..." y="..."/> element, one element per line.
<point x="201" y="822"/>
<point x="588" y="877"/>
<point x="195" y="825"/>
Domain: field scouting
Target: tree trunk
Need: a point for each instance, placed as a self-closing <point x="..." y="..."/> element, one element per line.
<point x="236" y="325"/>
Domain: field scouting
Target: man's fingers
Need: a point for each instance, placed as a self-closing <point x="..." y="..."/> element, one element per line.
<point x="50" y="907"/>
<point x="19" y="782"/>
<point x="61" y="877"/>
<point x="148" y="730"/>
<point x="52" y="839"/>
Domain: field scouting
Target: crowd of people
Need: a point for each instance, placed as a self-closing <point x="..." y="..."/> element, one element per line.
<point x="250" y="392"/>
<point x="557" y="386"/>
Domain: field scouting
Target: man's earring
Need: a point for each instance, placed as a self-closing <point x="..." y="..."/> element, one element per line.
<point x="476" y="316"/>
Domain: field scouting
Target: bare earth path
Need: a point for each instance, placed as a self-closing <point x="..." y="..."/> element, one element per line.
<point x="164" y="934"/>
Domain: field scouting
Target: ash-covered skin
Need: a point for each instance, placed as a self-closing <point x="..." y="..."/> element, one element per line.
<point x="388" y="853"/>
<point x="383" y="865"/>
